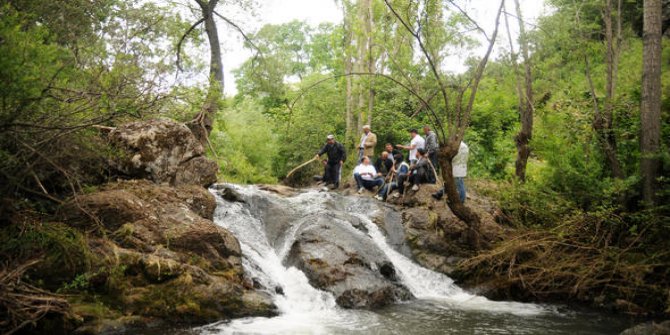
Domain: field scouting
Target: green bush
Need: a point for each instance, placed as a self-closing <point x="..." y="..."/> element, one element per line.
<point x="246" y="146"/>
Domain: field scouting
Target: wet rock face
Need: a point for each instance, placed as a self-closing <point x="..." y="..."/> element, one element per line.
<point x="341" y="260"/>
<point x="650" y="328"/>
<point x="162" y="151"/>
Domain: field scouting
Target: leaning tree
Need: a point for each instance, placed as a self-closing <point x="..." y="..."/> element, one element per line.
<point x="451" y="114"/>
<point x="202" y="123"/>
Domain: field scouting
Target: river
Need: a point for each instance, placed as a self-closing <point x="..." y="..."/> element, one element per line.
<point x="441" y="306"/>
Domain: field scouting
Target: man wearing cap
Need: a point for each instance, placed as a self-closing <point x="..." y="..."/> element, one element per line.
<point x="336" y="157"/>
<point x="367" y="144"/>
<point x="417" y="143"/>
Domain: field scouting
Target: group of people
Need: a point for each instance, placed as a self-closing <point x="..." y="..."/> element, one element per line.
<point x="390" y="171"/>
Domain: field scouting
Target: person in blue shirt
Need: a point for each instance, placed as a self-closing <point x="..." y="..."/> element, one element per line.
<point x="401" y="170"/>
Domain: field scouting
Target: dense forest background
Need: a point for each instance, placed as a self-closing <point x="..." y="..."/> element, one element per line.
<point x="69" y="69"/>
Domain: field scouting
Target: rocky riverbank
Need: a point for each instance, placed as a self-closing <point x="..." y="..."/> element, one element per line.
<point x="140" y="250"/>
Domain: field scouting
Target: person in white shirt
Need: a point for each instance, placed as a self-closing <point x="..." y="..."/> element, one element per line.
<point x="366" y="175"/>
<point x="459" y="168"/>
<point x="417" y="143"/>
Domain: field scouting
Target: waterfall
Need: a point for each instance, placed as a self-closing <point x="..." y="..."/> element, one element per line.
<point x="303" y="308"/>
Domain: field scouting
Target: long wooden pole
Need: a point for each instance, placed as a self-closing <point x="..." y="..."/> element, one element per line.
<point x="301" y="166"/>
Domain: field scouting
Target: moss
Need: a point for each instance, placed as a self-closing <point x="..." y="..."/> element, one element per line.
<point x="232" y="274"/>
<point x="432" y="220"/>
<point x="64" y="251"/>
<point x="90" y="309"/>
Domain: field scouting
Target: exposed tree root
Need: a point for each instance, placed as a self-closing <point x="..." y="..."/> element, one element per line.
<point x="22" y="304"/>
<point x="578" y="260"/>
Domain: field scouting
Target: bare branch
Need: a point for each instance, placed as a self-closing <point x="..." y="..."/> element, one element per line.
<point x="480" y="71"/>
<point x="423" y="101"/>
<point x="433" y="68"/>
<point x="181" y="41"/>
<point x="472" y="21"/>
<point x="527" y="23"/>
<point x="237" y="27"/>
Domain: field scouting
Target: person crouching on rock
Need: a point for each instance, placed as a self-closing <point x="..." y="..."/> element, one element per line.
<point x="421" y="172"/>
<point x="366" y="176"/>
<point x="384" y="164"/>
<point x="336" y="157"/>
<point x="400" y="171"/>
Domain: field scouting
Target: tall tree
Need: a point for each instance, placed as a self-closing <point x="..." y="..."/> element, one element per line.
<point x="203" y="121"/>
<point x="451" y="127"/>
<point x="348" y="69"/>
<point x="201" y="125"/>
<point x="525" y="134"/>
<point x="603" y="122"/>
<point x="650" y="112"/>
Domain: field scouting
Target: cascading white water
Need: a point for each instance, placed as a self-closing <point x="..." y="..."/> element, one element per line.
<point x="305" y="309"/>
<point x="427" y="284"/>
<point x="302" y="307"/>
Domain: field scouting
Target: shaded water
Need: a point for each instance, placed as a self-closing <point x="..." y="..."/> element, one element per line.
<point x="441" y="306"/>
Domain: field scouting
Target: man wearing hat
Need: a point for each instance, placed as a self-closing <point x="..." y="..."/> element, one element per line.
<point x="367" y="144"/>
<point x="336" y="157"/>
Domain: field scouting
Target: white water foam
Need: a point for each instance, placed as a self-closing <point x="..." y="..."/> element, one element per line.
<point x="302" y="308"/>
<point x="305" y="309"/>
<point x="428" y="284"/>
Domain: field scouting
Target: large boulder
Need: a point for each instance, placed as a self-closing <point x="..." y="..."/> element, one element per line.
<point x="649" y="328"/>
<point x="339" y="259"/>
<point x="142" y="215"/>
<point x="162" y="151"/>
<point x="438" y="240"/>
<point x="161" y="254"/>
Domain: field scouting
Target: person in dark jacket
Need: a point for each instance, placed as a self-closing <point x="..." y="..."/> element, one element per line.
<point x="421" y="172"/>
<point x="336" y="157"/>
<point x="392" y="152"/>
<point x="383" y="164"/>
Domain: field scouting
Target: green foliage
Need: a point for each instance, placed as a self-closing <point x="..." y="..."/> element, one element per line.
<point x="66" y="66"/>
<point x="246" y="144"/>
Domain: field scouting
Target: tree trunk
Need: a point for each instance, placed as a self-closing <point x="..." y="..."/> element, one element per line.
<point x="447" y="153"/>
<point x="350" y="133"/>
<point x="650" y="112"/>
<point x="201" y="125"/>
<point x="525" y="134"/>
<point x="603" y="123"/>
<point x="370" y="59"/>
<point x="361" y="67"/>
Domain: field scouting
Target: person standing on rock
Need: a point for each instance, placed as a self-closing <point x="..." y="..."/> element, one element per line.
<point x="415" y="144"/>
<point x="367" y="144"/>
<point x="366" y="176"/>
<point x="460" y="171"/>
<point x="432" y="146"/>
<point x="336" y="157"/>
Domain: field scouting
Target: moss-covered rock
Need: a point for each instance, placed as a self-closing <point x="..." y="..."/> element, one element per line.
<point x="158" y="254"/>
